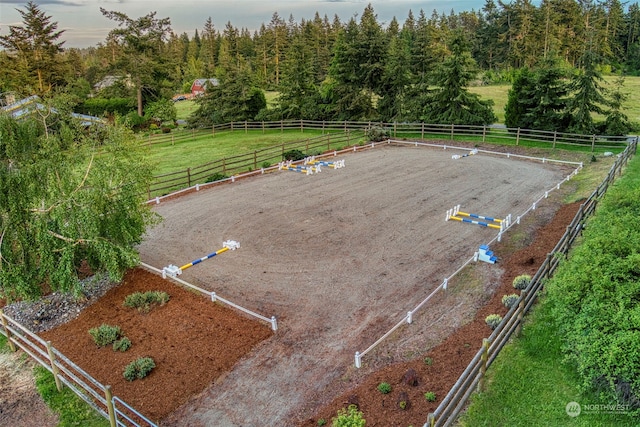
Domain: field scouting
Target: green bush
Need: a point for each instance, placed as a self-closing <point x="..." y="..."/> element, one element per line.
<point x="493" y="320"/>
<point x="322" y="422"/>
<point x="522" y="282"/>
<point x="428" y="361"/>
<point x="144" y="302"/>
<point x="350" y="417"/>
<point x="216" y="177"/>
<point x="595" y="295"/>
<point x="510" y="300"/>
<point x="123" y="344"/>
<point x="294" y="155"/>
<point x="430" y="396"/>
<point x="377" y="133"/>
<point x="139" y="368"/>
<point x="384" y="388"/>
<point x="105" y="334"/>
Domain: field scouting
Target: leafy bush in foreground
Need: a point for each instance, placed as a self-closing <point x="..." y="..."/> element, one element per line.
<point x="595" y="295"/>
<point x="144" y="302"/>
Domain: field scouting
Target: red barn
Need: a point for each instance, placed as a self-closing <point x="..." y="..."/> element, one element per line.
<point x="199" y="86"/>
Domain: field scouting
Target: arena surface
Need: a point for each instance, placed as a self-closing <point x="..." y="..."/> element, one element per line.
<point x="338" y="257"/>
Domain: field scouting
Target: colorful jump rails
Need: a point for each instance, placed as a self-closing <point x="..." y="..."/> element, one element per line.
<point x="311" y="165"/>
<point x="174" y="270"/>
<point x="481" y="220"/>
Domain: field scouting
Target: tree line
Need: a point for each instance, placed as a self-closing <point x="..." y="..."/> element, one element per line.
<point x="361" y="69"/>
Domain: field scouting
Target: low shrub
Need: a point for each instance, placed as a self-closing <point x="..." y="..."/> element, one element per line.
<point x="294" y="155"/>
<point x="216" y="177"/>
<point x="350" y="417"/>
<point x="510" y="300"/>
<point x="144" y="302"/>
<point x="428" y="361"/>
<point x="493" y="320"/>
<point x="139" y="368"/>
<point x="384" y="388"/>
<point x="322" y="422"/>
<point x="430" y="396"/>
<point x="105" y="334"/>
<point x="522" y="282"/>
<point x="123" y="344"/>
<point x="377" y="134"/>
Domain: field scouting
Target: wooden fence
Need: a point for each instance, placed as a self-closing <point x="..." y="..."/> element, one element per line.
<point x="64" y="371"/>
<point x="338" y="135"/>
<point x="473" y="376"/>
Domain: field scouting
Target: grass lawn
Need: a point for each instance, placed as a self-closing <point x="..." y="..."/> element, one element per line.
<point x="529" y="385"/>
<point x="191" y="152"/>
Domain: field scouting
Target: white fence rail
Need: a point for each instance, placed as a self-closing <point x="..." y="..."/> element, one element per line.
<point x="408" y="318"/>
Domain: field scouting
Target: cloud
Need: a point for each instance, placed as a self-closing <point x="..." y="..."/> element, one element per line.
<point x="48" y="2"/>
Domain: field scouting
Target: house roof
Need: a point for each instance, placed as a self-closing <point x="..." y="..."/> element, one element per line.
<point x="203" y="82"/>
<point x="25" y="107"/>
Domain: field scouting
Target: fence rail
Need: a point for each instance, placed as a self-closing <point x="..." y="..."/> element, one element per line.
<point x="472" y="378"/>
<point x="66" y="372"/>
<point x="97" y="395"/>
<point x="338" y="135"/>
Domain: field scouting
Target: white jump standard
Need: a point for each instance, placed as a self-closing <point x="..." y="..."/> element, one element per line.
<point x="174" y="270"/>
<point x="490" y="222"/>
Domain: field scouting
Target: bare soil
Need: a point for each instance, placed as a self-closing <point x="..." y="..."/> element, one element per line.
<point x="339" y="258"/>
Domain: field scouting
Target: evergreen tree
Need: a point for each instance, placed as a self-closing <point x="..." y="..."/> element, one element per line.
<point x="451" y="102"/>
<point x="344" y="89"/>
<point x="393" y="104"/>
<point x="537" y="99"/>
<point x="299" y="96"/>
<point x="521" y="100"/>
<point x="587" y="96"/>
<point x="617" y="123"/>
<point x="33" y="51"/>
<point x="142" y="41"/>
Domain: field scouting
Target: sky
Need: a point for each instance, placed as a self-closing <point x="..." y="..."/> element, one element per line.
<point x="85" y="26"/>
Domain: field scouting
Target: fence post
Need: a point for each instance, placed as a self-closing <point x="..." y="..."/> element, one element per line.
<point x="255" y="159"/>
<point x="54" y="367"/>
<point x="483" y="360"/>
<point x="452" y="126"/>
<point x="549" y="258"/>
<point x="281" y="126"/>
<point x="555" y="136"/>
<point x="301" y="126"/>
<point x="110" y="409"/>
<point x="328" y="140"/>
<point x="246" y="128"/>
<point x="484" y="133"/>
<point x="518" y="137"/>
<point x="395" y="129"/>
<point x="593" y="143"/>
<point x="523" y="297"/>
<point x="224" y="165"/>
<point x="422" y="131"/>
<point x="12" y="346"/>
<point x="213" y="131"/>
<point x="231" y="126"/>
<point x="188" y="177"/>
<point x="263" y="126"/>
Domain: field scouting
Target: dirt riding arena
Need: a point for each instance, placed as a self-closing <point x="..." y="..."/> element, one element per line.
<point x="338" y="257"/>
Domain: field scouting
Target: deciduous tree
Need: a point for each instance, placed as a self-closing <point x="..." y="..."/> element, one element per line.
<point x="67" y="196"/>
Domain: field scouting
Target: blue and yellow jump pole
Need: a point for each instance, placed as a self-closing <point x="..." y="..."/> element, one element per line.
<point x="337" y="164"/>
<point x="174" y="270"/>
<point x="491" y="222"/>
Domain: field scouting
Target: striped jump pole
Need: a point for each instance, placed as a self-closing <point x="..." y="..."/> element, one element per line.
<point x="174" y="270"/>
<point x="307" y="170"/>
<point x="487" y="221"/>
<point x="480" y="223"/>
<point x="336" y="164"/>
<point x="460" y="156"/>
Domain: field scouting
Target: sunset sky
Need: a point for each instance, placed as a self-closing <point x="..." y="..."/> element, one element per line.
<point x="85" y="26"/>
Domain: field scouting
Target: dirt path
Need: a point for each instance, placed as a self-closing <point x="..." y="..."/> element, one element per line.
<point x="20" y="403"/>
<point x="338" y="257"/>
